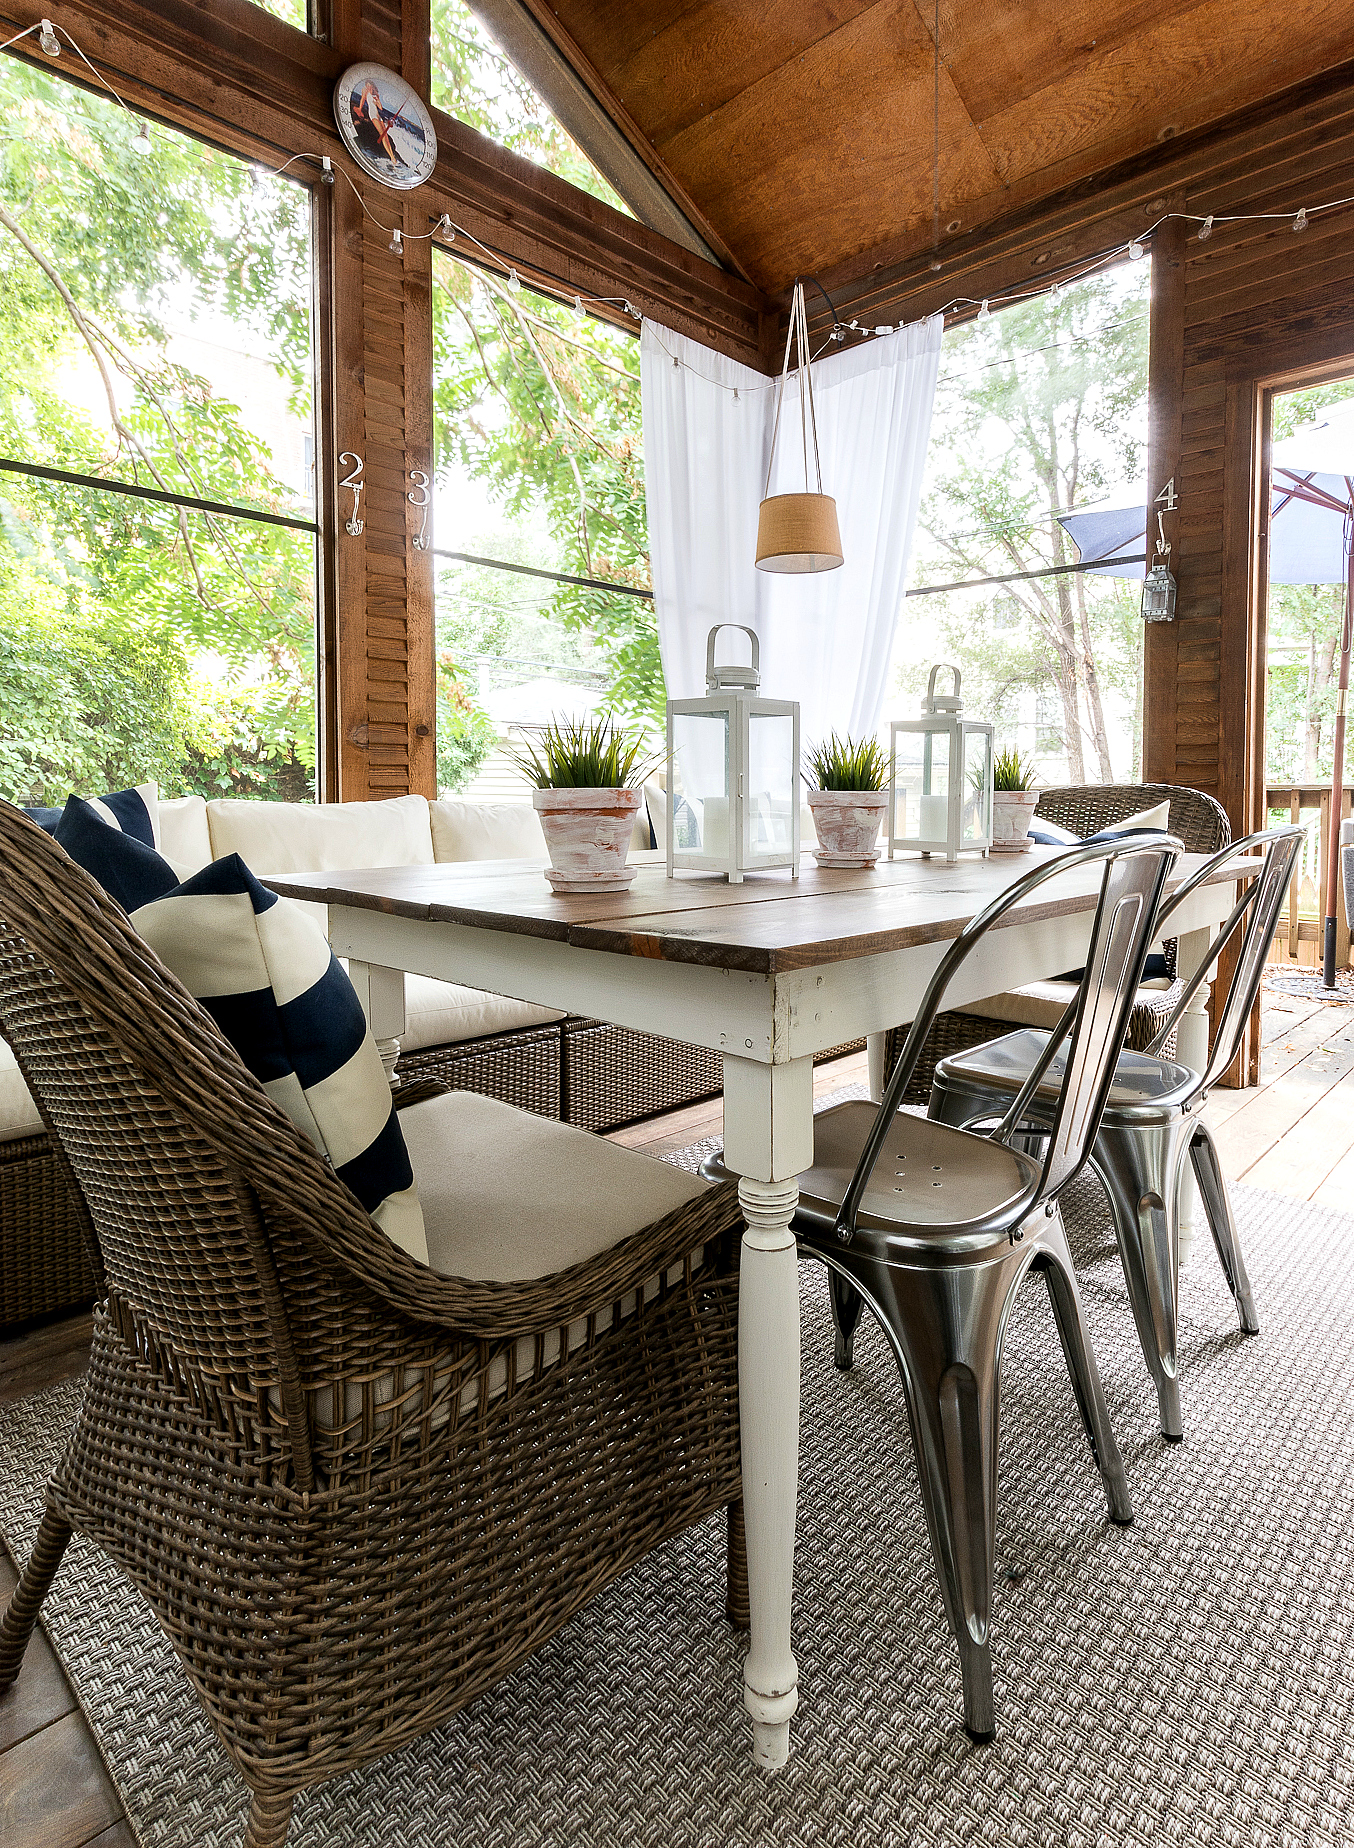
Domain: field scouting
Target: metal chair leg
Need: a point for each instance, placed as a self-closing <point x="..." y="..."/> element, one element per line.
<point x="1055" y="1260"/>
<point x="1213" y="1190"/>
<point x="21" y="1613"/>
<point x="847" y="1304"/>
<point x="1140" y="1171"/>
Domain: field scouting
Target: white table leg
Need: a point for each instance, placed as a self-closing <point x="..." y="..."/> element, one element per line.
<point x="874" y="1052"/>
<point x="1191" y="1045"/>
<point x="768" y="1140"/>
<point x="381" y="992"/>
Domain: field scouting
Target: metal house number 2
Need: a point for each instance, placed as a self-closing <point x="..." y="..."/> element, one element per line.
<point x="420" y="497"/>
<point x="354" y="481"/>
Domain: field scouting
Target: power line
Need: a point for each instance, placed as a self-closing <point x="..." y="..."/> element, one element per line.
<point x="555" y="577"/>
<point x="1017" y="577"/>
<point x="136" y="492"/>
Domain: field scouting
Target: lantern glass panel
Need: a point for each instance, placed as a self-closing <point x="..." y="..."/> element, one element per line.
<point x="770" y="786"/>
<point x="977" y="812"/>
<point x="699" y="797"/>
<point x="922" y="761"/>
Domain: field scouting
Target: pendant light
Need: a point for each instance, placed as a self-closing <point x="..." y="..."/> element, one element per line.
<point x="798" y="532"/>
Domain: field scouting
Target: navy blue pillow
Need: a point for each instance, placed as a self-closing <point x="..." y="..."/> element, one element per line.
<point x="126" y="810"/>
<point x="127" y="868"/>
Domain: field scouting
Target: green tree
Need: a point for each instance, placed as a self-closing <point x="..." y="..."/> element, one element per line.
<point x="1041" y="410"/>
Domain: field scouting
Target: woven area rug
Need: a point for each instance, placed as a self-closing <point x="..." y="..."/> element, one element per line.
<point x="1185" y="1680"/>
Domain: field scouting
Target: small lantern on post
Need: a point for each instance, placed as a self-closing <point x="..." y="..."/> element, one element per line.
<point x="940" y="777"/>
<point x="733" y="774"/>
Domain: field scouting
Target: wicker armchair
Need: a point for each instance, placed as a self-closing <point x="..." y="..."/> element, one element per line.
<point x="1084" y="808"/>
<point x="355" y="1492"/>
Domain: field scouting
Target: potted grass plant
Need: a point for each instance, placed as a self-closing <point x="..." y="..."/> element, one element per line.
<point x="848" y="798"/>
<point x="586" y="775"/>
<point x="1013" y="803"/>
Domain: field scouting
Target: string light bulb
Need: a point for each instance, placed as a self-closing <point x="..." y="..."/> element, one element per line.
<point x="326" y="170"/>
<point x="141" y="143"/>
<point x="514" y="281"/>
<point x="1300" y="222"/>
<point x="984" y="312"/>
<point x="1134" y="248"/>
<point x="397" y="241"/>
<point x="579" y="313"/>
<point x="446" y="227"/>
<point x="259" y="177"/>
<point x="48" y="40"/>
<point x="1206" y="229"/>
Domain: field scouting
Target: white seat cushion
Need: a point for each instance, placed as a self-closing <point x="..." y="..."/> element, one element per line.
<point x="508" y="1195"/>
<point x="440" y="1013"/>
<point x="311" y="837"/>
<point x="185" y="838"/>
<point x="18" y="1113"/>
<point x="486" y="831"/>
<point x="1041" y="1004"/>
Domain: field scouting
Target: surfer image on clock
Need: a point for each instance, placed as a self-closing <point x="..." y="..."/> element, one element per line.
<point x="380" y="131"/>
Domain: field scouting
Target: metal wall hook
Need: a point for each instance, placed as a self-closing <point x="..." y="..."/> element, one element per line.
<point x="352" y="525"/>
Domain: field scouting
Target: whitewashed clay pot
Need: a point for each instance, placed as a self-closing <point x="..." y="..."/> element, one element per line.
<point x="847" y="824"/>
<point x="1012" y="813"/>
<point x="587" y="832"/>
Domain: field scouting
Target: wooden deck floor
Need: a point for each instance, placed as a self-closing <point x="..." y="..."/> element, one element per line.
<point x="1293" y="1133"/>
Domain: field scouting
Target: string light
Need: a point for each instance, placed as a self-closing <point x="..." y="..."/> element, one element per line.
<point x="326" y="170"/>
<point x="397" y="241"/>
<point x="579" y="311"/>
<point x="1135" y="249"/>
<point x="48" y="40"/>
<point x="1300" y="222"/>
<point x="514" y="281"/>
<point x="984" y="312"/>
<point x="1206" y="229"/>
<point x="141" y="142"/>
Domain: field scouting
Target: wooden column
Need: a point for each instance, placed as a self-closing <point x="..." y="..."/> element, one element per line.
<point x="1165" y="419"/>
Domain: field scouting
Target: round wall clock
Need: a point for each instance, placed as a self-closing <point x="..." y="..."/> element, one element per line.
<point x="385" y="126"/>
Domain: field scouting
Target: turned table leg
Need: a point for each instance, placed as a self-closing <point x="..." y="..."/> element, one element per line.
<point x="381" y="992"/>
<point x="768" y="1140"/>
<point x="875" y="1044"/>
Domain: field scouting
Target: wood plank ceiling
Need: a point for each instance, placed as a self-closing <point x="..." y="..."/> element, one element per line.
<point x="802" y="129"/>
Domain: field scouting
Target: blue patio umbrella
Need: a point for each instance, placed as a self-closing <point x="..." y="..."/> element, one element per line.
<point x="1311" y="528"/>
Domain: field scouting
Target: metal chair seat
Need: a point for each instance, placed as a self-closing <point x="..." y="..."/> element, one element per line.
<point x="934" y="1189"/>
<point x="1143" y="1086"/>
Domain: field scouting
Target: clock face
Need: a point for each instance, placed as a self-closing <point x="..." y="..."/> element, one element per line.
<point x="385" y="126"/>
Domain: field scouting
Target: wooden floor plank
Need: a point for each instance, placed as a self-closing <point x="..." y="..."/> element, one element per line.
<point x="54" y="1791"/>
<point x="1301" y="1161"/>
<point x="41" y="1356"/>
<point x="1275" y="1109"/>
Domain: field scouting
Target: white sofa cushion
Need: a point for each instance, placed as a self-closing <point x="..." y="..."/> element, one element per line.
<point x="508" y="1195"/>
<point x="440" y="1013"/>
<point x="18" y="1113"/>
<point x="185" y="838"/>
<point x="485" y="831"/>
<point x="311" y="837"/>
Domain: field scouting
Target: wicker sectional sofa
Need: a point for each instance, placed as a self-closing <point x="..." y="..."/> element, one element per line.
<point x="588" y="1072"/>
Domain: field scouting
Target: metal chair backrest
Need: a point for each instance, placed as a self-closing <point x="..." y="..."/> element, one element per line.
<point x="1136" y="870"/>
<point x="1263" y="899"/>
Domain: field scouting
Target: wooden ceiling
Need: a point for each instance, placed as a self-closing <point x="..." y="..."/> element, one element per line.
<point x="798" y="133"/>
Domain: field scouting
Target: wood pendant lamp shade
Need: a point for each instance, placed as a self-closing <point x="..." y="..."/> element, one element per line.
<point x="798" y="533"/>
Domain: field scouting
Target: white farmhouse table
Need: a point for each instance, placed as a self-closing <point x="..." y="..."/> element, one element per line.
<point x="768" y="973"/>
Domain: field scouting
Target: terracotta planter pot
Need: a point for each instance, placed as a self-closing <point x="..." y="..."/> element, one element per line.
<point x="587" y="832"/>
<point x="1012" y="813"/>
<point x="847" y="824"/>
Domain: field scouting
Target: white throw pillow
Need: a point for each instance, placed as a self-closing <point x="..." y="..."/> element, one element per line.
<point x="1158" y="817"/>
<point x="485" y="831"/>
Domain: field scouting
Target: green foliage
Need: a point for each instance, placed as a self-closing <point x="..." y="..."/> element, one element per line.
<point x="1010" y="771"/>
<point x="849" y="763"/>
<point x="465" y="736"/>
<point x="585" y="754"/>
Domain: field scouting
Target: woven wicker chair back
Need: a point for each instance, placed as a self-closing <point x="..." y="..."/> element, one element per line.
<point x="160" y="1122"/>
<point x="1086" y="808"/>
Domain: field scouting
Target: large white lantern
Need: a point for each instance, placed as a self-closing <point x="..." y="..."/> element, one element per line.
<point x="733" y="774"/>
<point x="940" y="777"/>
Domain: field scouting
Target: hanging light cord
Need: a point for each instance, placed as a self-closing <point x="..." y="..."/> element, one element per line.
<point x="797" y="336"/>
<point x="935" y="147"/>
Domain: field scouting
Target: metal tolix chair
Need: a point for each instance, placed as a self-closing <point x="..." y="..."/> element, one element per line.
<point x="1152" y="1120"/>
<point x="935" y="1229"/>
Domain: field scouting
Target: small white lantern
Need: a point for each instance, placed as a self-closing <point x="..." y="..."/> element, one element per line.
<point x="733" y="774"/>
<point x="940" y="777"/>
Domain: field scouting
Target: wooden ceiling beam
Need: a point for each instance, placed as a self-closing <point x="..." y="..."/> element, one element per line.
<point x="230" y="73"/>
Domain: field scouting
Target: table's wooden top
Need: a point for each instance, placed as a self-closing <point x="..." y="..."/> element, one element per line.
<point x="768" y="924"/>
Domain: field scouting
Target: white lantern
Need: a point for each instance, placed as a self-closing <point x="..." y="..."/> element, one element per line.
<point x="733" y="774"/>
<point x="940" y="777"/>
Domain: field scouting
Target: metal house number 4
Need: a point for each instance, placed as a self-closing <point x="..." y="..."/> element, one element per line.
<point x="353" y="480"/>
<point x="420" y="497"/>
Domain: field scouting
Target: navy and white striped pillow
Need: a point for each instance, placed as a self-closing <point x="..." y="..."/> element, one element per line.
<point x="134" y="812"/>
<point x="265" y="973"/>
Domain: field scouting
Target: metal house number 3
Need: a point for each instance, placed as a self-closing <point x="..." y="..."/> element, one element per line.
<point x="354" y="481"/>
<point x="420" y="497"/>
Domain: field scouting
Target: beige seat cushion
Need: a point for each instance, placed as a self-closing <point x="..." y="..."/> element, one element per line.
<point x="1041" y="1004"/>
<point x="486" y="831"/>
<point x="310" y="837"/>
<point x="18" y="1113"/>
<point x="440" y="1013"/>
<point x="508" y="1195"/>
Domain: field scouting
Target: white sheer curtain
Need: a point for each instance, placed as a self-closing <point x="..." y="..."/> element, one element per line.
<point x="825" y="640"/>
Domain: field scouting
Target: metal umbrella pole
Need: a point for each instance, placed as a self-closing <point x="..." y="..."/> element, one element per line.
<point x="1337" y="787"/>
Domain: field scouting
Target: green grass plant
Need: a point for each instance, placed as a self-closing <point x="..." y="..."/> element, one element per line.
<point x="849" y="763"/>
<point x="585" y="754"/>
<point x="1010" y="771"/>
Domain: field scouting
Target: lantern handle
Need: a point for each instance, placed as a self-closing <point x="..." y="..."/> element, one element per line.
<point x="951" y="702"/>
<point x="712" y="680"/>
